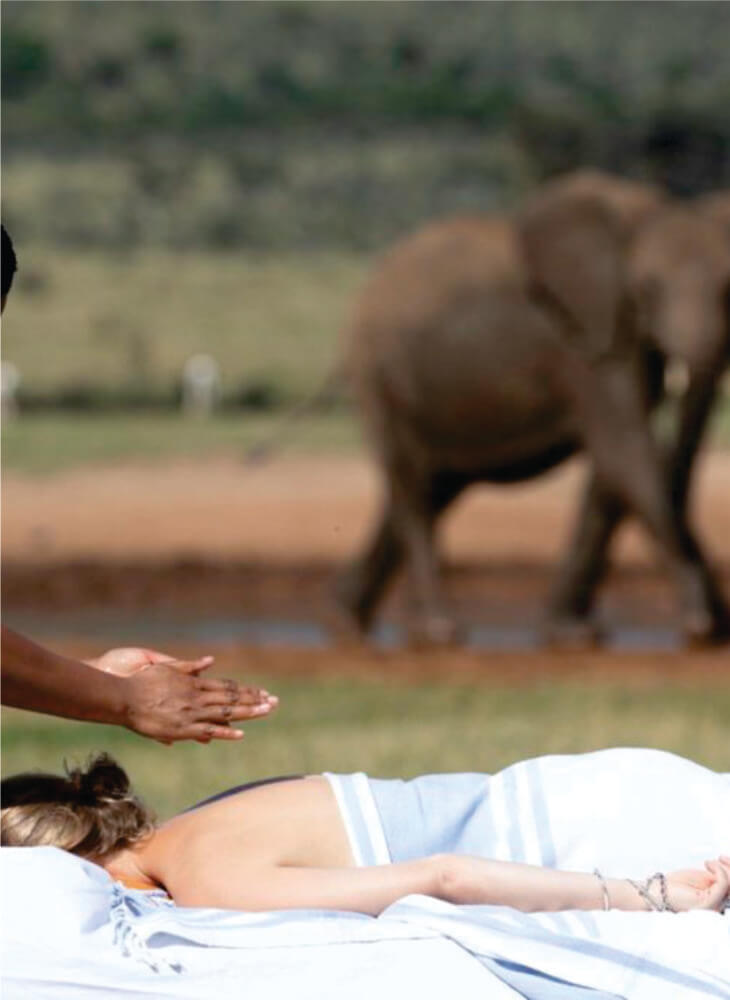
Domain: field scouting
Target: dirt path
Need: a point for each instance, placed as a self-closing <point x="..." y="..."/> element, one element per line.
<point x="196" y="542"/>
<point x="298" y="510"/>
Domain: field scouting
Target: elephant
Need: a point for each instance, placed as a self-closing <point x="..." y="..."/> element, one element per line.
<point x="716" y="205"/>
<point x="491" y="348"/>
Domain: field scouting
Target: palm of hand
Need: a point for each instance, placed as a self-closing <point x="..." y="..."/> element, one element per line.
<point x="128" y="660"/>
<point x="694" y="889"/>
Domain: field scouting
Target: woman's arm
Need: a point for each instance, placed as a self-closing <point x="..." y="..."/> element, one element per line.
<point x="531" y="888"/>
<point x="243" y="886"/>
<point x="454" y="878"/>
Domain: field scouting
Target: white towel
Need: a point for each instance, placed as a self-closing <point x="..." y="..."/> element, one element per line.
<point x="629" y="812"/>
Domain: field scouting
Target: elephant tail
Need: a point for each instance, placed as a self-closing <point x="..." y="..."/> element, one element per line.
<point x="323" y="394"/>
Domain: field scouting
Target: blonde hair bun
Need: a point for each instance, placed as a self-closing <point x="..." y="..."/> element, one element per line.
<point x="90" y="811"/>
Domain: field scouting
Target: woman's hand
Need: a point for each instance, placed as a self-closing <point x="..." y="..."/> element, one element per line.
<point x="700" y="890"/>
<point x="168" y="700"/>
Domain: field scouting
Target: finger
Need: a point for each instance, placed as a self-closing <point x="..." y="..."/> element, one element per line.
<point x="244" y="694"/>
<point x="228" y="684"/>
<point x="716" y="893"/>
<point x="228" y="712"/>
<point x="215" y="692"/>
<point x="252" y="712"/>
<point x="205" y="732"/>
<point x="201" y="664"/>
<point x="715" y="896"/>
<point x="712" y="866"/>
<point x="207" y="699"/>
<point x="717" y="868"/>
<point x="155" y="656"/>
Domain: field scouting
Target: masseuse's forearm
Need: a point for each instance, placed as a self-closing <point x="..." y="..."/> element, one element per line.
<point x="529" y="888"/>
<point x="39" y="680"/>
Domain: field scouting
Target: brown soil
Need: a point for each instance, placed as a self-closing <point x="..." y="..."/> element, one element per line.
<point x="218" y="538"/>
<point x="296" y="511"/>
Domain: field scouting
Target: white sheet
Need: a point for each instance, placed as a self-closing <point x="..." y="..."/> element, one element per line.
<point x="60" y="942"/>
<point x="639" y="956"/>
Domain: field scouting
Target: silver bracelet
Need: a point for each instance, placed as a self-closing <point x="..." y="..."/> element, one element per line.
<point x="604" y="889"/>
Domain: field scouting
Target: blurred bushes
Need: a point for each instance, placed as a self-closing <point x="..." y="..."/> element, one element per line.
<point x="642" y="88"/>
<point x="255" y="395"/>
<point x="203" y="66"/>
<point x="271" y="190"/>
<point x="284" y="128"/>
<point x="26" y="64"/>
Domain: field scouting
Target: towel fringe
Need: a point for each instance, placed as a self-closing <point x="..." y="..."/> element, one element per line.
<point x="126" y="938"/>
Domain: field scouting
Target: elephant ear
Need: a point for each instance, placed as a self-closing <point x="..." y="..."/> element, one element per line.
<point x="574" y="247"/>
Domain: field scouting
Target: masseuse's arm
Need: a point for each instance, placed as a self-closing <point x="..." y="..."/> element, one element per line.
<point x="145" y="691"/>
<point x="455" y="878"/>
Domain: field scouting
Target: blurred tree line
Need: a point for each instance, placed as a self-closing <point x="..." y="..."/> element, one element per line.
<point x="285" y="124"/>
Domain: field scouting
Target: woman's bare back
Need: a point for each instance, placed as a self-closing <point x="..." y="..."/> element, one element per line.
<point x="293" y="823"/>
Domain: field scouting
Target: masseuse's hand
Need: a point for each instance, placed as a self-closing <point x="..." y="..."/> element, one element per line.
<point x="168" y="699"/>
<point x="700" y="890"/>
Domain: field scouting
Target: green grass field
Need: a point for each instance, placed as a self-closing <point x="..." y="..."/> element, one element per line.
<point x="52" y="443"/>
<point x="40" y="444"/>
<point x="120" y="320"/>
<point x="393" y="728"/>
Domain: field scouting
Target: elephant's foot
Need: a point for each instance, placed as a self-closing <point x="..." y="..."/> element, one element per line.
<point x="344" y="626"/>
<point x="705" y="615"/>
<point x="702" y="628"/>
<point x="434" y="630"/>
<point x="344" y="631"/>
<point x="569" y="633"/>
<point x="353" y="612"/>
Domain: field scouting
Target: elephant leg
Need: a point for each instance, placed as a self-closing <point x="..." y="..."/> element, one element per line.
<point x="629" y="466"/>
<point x="695" y="409"/>
<point x="404" y="534"/>
<point x="584" y="565"/>
<point x="360" y="587"/>
<point x="419" y="507"/>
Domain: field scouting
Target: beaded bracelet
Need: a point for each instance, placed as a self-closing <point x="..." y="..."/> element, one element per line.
<point x="662" y="904"/>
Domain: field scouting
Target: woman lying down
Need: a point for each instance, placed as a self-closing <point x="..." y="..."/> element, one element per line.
<point x="289" y="842"/>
